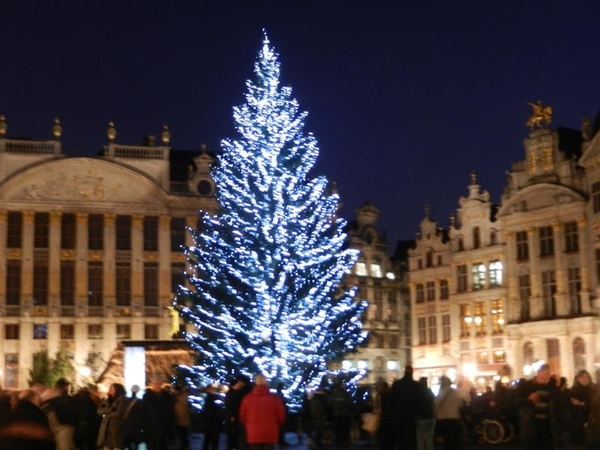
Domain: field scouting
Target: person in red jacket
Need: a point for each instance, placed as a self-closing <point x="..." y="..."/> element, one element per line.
<point x="262" y="413"/>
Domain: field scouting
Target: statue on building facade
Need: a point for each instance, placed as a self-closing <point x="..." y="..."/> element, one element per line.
<point x="541" y="116"/>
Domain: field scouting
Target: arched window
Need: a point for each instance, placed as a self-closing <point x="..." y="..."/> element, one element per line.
<point x="579" y="358"/>
<point x="476" y="237"/>
<point x="461" y="244"/>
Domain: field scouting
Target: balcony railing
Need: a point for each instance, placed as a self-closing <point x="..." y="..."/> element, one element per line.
<point x="151" y="311"/>
<point x="31" y="147"/>
<point x="96" y="311"/>
<point x="13" y="310"/>
<point x="67" y="311"/>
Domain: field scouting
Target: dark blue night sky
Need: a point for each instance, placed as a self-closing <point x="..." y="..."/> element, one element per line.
<point x="405" y="98"/>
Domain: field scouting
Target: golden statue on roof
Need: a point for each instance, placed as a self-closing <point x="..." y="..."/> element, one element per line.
<point x="541" y="116"/>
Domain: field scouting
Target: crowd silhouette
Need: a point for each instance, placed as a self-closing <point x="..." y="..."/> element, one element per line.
<point x="542" y="413"/>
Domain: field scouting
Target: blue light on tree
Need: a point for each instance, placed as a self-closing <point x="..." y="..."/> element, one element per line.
<point x="267" y="292"/>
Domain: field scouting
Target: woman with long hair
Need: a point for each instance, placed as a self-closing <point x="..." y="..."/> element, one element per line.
<point x="578" y="408"/>
<point x="112" y="409"/>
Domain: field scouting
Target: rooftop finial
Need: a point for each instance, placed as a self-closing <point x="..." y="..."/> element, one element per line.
<point x="165" y="136"/>
<point x="473" y="177"/>
<point x="427" y="211"/>
<point x="3" y="126"/>
<point x="111" y="132"/>
<point x="57" y="129"/>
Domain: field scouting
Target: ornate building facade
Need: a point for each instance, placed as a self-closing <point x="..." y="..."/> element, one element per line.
<point x="91" y="247"/>
<point x="382" y="283"/>
<point x="510" y="286"/>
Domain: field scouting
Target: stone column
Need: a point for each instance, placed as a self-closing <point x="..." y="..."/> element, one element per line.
<point x="109" y="253"/>
<point x="584" y="263"/>
<point x="3" y="231"/>
<point x="536" y="306"/>
<point x="566" y="356"/>
<point x="513" y="302"/>
<point x="54" y="252"/>
<point x="81" y="259"/>
<point x="137" y="259"/>
<point x="560" y="297"/>
<point x="164" y="259"/>
<point x="27" y="268"/>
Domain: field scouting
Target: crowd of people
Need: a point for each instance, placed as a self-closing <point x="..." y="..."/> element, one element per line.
<point x="48" y="419"/>
<point x="545" y="412"/>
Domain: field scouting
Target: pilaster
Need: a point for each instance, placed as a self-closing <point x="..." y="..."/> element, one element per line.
<point x="584" y="245"/>
<point x="54" y="239"/>
<point x="81" y="258"/>
<point x="3" y="230"/>
<point x="137" y="258"/>
<point x="108" y="266"/>
<point x="164" y="258"/>
<point x="27" y="269"/>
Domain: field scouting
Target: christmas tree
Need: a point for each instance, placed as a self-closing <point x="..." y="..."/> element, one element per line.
<point x="267" y="291"/>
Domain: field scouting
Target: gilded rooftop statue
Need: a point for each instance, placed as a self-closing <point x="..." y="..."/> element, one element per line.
<point x="541" y="116"/>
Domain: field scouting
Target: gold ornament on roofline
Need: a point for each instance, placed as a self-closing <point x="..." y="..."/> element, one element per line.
<point x="541" y="116"/>
<point x="165" y="136"/>
<point x="57" y="129"/>
<point x="3" y="126"/>
<point x="111" y="132"/>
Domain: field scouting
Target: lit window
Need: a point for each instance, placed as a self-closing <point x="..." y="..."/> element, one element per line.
<point x="478" y="272"/>
<point x="497" y="317"/>
<point x="376" y="269"/>
<point x="361" y="268"/>
<point x="495" y="273"/>
<point x="465" y="321"/>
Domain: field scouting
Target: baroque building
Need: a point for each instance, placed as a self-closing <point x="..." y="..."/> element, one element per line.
<point x="91" y="247"/>
<point x="381" y="282"/>
<point x="510" y="286"/>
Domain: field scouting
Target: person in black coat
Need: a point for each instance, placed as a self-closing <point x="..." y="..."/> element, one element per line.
<point x="212" y="419"/>
<point x="406" y="392"/>
<point x="538" y="400"/>
<point x="233" y="399"/>
<point x="133" y="420"/>
<point x="88" y="420"/>
<point x="425" y="417"/>
<point x="159" y="417"/>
